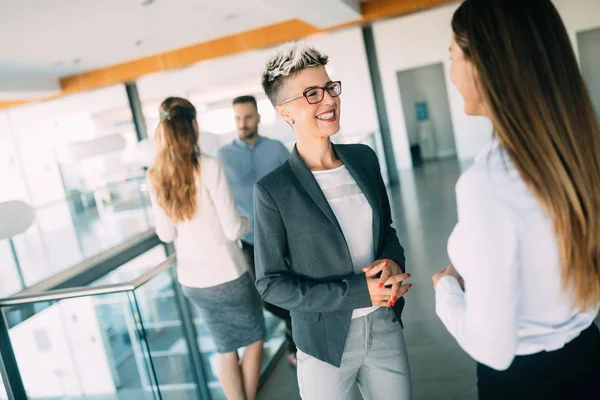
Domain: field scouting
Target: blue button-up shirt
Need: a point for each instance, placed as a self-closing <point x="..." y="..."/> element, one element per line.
<point x="245" y="165"/>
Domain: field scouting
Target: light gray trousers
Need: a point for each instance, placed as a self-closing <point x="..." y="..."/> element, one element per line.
<point x="374" y="357"/>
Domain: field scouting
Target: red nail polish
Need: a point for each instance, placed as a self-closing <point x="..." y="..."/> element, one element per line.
<point x="393" y="300"/>
<point x="380" y="285"/>
<point x="408" y="275"/>
<point x="410" y="285"/>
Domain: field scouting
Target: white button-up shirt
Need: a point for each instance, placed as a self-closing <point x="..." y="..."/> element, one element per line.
<point x="505" y="248"/>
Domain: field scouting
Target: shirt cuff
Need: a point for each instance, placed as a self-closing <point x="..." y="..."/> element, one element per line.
<point x="359" y="291"/>
<point x="447" y="285"/>
<point x="449" y="299"/>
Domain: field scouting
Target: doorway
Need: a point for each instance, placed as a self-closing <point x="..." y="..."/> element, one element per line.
<point x="589" y="55"/>
<point x="427" y="113"/>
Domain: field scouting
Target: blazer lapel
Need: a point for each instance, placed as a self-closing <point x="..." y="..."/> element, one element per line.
<point x="308" y="181"/>
<point x="369" y="189"/>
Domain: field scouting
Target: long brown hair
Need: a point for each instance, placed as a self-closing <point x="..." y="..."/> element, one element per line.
<point x="543" y="117"/>
<point x="177" y="165"/>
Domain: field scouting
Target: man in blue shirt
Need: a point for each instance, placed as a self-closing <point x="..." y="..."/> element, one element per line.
<point x="246" y="160"/>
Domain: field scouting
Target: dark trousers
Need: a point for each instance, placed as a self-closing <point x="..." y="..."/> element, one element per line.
<point x="273" y="309"/>
<point x="570" y="373"/>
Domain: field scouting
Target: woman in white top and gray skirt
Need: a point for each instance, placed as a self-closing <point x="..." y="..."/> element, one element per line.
<point x="194" y="206"/>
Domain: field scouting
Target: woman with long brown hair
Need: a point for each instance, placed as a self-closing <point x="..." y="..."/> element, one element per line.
<point x="194" y="206"/>
<point x="527" y="242"/>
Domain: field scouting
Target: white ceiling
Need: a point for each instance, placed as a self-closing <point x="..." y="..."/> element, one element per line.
<point x="44" y="40"/>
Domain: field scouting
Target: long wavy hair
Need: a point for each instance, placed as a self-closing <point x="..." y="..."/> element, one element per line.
<point x="176" y="168"/>
<point x="544" y="119"/>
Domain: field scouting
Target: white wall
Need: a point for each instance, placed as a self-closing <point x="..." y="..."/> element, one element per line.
<point x="61" y="353"/>
<point x="227" y="77"/>
<point x="428" y="84"/>
<point x="578" y="15"/>
<point x="11" y="167"/>
<point x="421" y="39"/>
<point x="415" y="41"/>
<point x="589" y="55"/>
<point x="349" y="64"/>
<point x="40" y="132"/>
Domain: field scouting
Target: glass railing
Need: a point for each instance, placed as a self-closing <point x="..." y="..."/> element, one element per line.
<point x="135" y="339"/>
<point x="274" y="343"/>
<point x="72" y="230"/>
<point x="85" y="224"/>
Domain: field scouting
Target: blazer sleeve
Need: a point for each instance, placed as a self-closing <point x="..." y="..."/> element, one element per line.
<point x="278" y="285"/>
<point x="391" y="247"/>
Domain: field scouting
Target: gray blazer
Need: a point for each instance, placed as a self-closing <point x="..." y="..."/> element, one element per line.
<point x="303" y="263"/>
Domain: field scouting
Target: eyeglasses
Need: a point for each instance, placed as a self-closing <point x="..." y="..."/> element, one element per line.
<point x="316" y="95"/>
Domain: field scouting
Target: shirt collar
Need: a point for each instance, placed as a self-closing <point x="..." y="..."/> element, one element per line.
<point x="492" y="146"/>
<point x="245" y="145"/>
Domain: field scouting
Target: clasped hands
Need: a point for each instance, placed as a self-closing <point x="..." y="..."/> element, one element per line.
<point x="385" y="282"/>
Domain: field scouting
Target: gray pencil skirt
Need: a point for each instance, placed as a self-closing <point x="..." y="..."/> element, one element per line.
<point x="232" y="312"/>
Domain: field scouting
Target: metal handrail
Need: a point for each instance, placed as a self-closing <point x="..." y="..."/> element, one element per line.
<point x="159" y="269"/>
<point x="86" y="291"/>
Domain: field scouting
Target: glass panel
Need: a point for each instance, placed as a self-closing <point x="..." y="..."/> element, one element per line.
<point x="70" y="231"/>
<point x="162" y="322"/>
<point x="10" y="282"/>
<point x="275" y="338"/>
<point x="32" y="253"/>
<point x="3" y="395"/>
<point x="274" y="341"/>
<point x="74" y="160"/>
<point x="35" y="140"/>
<point x="111" y="214"/>
<point x="134" y="268"/>
<point x="12" y="178"/>
<point x="208" y="354"/>
<point x="59" y="238"/>
<point x="83" y="348"/>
